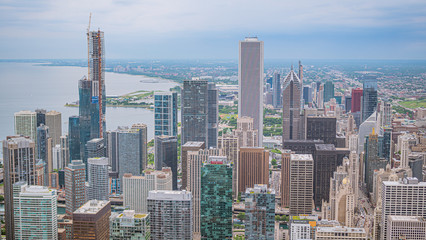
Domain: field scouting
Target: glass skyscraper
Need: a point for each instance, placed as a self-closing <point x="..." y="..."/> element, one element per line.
<point x="216" y="201"/>
<point x="369" y="97"/>
<point x="328" y="91"/>
<point x="74" y="137"/>
<point x="166" y="155"/>
<point x="166" y="115"/>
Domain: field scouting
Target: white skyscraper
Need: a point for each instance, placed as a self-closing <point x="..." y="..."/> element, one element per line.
<point x="250" y="82"/>
<point x="98" y="179"/>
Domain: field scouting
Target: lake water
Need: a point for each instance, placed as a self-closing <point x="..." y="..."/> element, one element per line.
<point x="27" y="86"/>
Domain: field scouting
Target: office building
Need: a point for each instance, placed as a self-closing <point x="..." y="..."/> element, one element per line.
<point x="301" y="184"/>
<point x="74" y="138"/>
<point x="372" y="160"/>
<point x="402" y="198"/>
<point x="348" y="104"/>
<point x="19" y="165"/>
<point x="194" y="111"/>
<point x="41" y="116"/>
<point x="285" y="178"/>
<point x="187" y="147"/>
<point x="65" y="150"/>
<point x="35" y="209"/>
<point x="406" y="227"/>
<point x="260" y="212"/>
<point x="250" y="83"/>
<point x="75" y="178"/>
<point x="165" y="113"/>
<point x="253" y="168"/>
<point x="328" y="91"/>
<point x="369" y="96"/>
<point x="302" y="228"/>
<point x="54" y="122"/>
<point x="216" y="201"/>
<point x="91" y="221"/>
<point x="276" y="91"/>
<point x="302" y="146"/>
<point x="307" y="94"/>
<point x="212" y="115"/>
<point x="325" y="163"/>
<point x="129" y="225"/>
<point x="171" y="214"/>
<point x="44" y="150"/>
<point x="136" y="188"/>
<point x="98" y="179"/>
<point x="96" y="148"/>
<point x="386" y="113"/>
<point x="321" y="128"/>
<point x="85" y="115"/>
<point x="230" y="147"/>
<point x="340" y="233"/>
<point x="292" y="95"/>
<point x="166" y="155"/>
<point x="246" y="133"/>
<point x="26" y="124"/>
<point x="56" y="158"/>
<point x="356" y="100"/>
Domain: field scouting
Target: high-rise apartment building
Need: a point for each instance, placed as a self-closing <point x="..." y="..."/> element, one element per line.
<point x="85" y="114"/>
<point x="369" y="97"/>
<point x="253" y="168"/>
<point x="44" y="150"/>
<point x="41" y="116"/>
<point x="307" y="94"/>
<point x="406" y="227"/>
<point x="91" y="221"/>
<point x="230" y="148"/>
<point x="276" y="91"/>
<point x="19" y="165"/>
<point x="96" y="148"/>
<point x="136" y="188"/>
<point x="246" y="133"/>
<point x="98" y="179"/>
<point x="26" y="124"/>
<point x="194" y="111"/>
<point x="54" y="122"/>
<point x="165" y="113"/>
<point x="65" y="150"/>
<point x="216" y="201"/>
<point x="75" y="179"/>
<point x="166" y="155"/>
<point x="386" y="113"/>
<point x="372" y="160"/>
<point x="321" y="128"/>
<point x="403" y="198"/>
<point x="260" y="212"/>
<point x="171" y="214"/>
<point x="356" y="100"/>
<point x="250" y="83"/>
<point x="35" y="212"/>
<point x="301" y="183"/>
<point x="187" y="147"/>
<point x="328" y="91"/>
<point x="129" y="225"/>
<point x="212" y="115"/>
<point x="292" y="95"/>
<point x="285" y="178"/>
<point x="74" y="138"/>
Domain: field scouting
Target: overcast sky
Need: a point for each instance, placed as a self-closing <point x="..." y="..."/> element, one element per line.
<point x="211" y="29"/>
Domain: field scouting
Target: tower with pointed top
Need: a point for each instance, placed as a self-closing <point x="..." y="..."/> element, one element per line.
<point x="292" y="92"/>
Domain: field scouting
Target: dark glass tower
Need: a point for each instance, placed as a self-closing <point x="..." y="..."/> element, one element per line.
<point x="166" y="155"/>
<point x="41" y="116"/>
<point x="194" y="111"/>
<point x="85" y="113"/>
<point x="212" y="115"/>
<point x="276" y="91"/>
<point x="292" y="95"/>
<point x="369" y="97"/>
<point x="328" y="91"/>
<point x="74" y="137"/>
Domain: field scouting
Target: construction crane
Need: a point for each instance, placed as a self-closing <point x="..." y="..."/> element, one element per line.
<point x="88" y="47"/>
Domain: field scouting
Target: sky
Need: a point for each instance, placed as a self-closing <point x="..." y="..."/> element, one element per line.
<point x="199" y="29"/>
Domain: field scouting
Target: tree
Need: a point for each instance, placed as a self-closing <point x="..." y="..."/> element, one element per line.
<point x="1" y="198"/>
<point x="241" y="216"/>
<point x="274" y="162"/>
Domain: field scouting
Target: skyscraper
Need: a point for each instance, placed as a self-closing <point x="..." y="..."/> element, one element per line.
<point x="91" y="221"/>
<point x="276" y="91"/>
<point x="260" y="213"/>
<point x="41" y="116"/>
<point x="285" y="178"/>
<point x="292" y="93"/>
<point x="212" y="115"/>
<point x="171" y="214"/>
<point x="19" y="165"/>
<point x="166" y="113"/>
<point x="188" y="146"/>
<point x="372" y="160"/>
<point x="54" y="122"/>
<point x="26" y="124"/>
<point x="307" y="94"/>
<point x="136" y="188"/>
<point x="74" y="138"/>
<point x="75" y="179"/>
<point x="166" y="155"/>
<point x="325" y="163"/>
<point x="409" y="227"/>
<point x="44" y="150"/>
<point x="65" y="150"/>
<point x="253" y="168"/>
<point x="321" y="128"/>
<point x="194" y="111"/>
<point x="96" y="148"/>
<point x="85" y="109"/>
<point x="130" y="225"/>
<point x="98" y="179"/>
<point x="216" y="201"/>
<point x="246" y="133"/>
<point x="35" y="212"/>
<point x="369" y="97"/>
<point x="250" y="83"/>
<point x="356" y="99"/>
<point x="328" y="91"/>
<point x="403" y="198"/>
<point x="301" y="184"/>
<point x="230" y="147"/>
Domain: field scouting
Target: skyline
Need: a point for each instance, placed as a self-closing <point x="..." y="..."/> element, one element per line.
<point x="191" y="30"/>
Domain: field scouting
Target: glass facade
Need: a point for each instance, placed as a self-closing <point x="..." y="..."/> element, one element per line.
<point x="74" y="137"/>
<point x="369" y="97"/>
<point x="165" y="114"/>
<point x="216" y="201"/>
<point x="260" y="213"/>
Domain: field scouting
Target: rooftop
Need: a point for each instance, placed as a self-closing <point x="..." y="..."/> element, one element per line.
<point x="325" y="147"/>
<point x="98" y="161"/>
<point x="193" y="144"/>
<point x="406" y="218"/>
<point x="92" y="207"/>
<point x="169" y="195"/>
<point x="301" y="157"/>
<point x="129" y="214"/>
<point x="339" y="229"/>
<point x="260" y="188"/>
